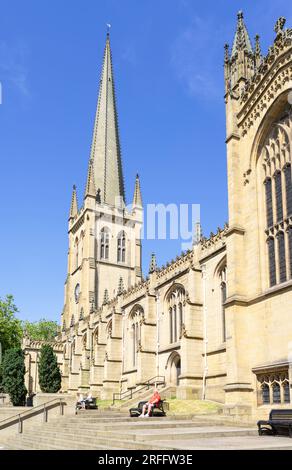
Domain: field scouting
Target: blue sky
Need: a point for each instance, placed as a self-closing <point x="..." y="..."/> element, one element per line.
<point x="168" y="65"/>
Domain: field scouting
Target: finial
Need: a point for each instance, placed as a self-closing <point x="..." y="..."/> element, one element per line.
<point x="108" y="27"/>
<point x="226" y="55"/>
<point x="121" y="286"/>
<point x="279" y="26"/>
<point x="240" y="15"/>
<point x="153" y="264"/>
<point x="74" y="204"/>
<point x="257" y="45"/>
<point x="105" y="297"/>
<point x="137" y="200"/>
<point x="197" y="233"/>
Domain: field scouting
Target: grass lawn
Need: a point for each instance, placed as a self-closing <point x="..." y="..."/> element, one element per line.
<point x="181" y="407"/>
<point x="176" y="407"/>
<point x="106" y="403"/>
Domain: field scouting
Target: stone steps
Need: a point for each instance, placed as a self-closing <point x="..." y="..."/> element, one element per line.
<point x="112" y="440"/>
<point x="152" y="433"/>
<point x="112" y="430"/>
<point x="128" y="426"/>
<point x="66" y="442"/>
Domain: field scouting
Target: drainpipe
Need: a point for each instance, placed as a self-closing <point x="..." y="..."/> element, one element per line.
<point x="36" y="373"/>
<point x="205" y="332"/>
<point x="157" y="332"/>
<point x="123" y="341"/>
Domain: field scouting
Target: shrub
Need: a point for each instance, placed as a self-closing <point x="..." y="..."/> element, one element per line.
<point x="49" y="371"/>
<point x="13" y="371"/>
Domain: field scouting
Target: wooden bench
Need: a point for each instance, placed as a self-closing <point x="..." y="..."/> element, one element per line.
<point x="279" y="423"/>
<point x="159" y="409"/>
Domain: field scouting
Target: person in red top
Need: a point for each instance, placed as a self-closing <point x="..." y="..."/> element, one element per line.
<point x="149" y="405"/>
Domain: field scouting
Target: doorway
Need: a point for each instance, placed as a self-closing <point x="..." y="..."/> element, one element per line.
<point x="174" y="368"/>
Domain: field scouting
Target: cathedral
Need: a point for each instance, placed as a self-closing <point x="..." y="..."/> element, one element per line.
<point x="215" y="322"/>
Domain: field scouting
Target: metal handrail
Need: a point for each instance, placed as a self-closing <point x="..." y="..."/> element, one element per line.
<point x="20" y="417"/>
<point x="154" y="380"/>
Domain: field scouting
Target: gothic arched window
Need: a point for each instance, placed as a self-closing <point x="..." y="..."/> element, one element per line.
<point x="276" y="392"/>
<point x="175" y="302"/>
<point x="265" y="394"/>
<point x="170" y="326"/>
<point x="290" y="247"/>
<point x="288" y="188"/>
<point x="272" y="260"/>
<point x="281" y="256"/>
<point x="136" y="315"/>
<point x="121" y="251"/>
<point x="275" y="158"/>
<point x="104" y="244"/>
<point x="269" y="206"/>
<point x="278" y="192"/>
<point x="76" y="253"/>
<point x="286" y="390"/>
<point x="81" y="243"/>
<point x="223" y="285"/>
<point x="180" y="316"/>
<point x="274" y="387"/>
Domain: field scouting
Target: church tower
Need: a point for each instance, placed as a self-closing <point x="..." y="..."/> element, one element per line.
<point x="104" y="234"/>
<point x="258" y="138"/>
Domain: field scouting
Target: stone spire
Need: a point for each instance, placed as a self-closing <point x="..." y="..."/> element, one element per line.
<point x="137" y="199"/>
<point x="240" y="67"/>
<point x="74" y="204"/>
<point x="90" y="186"/>
<point x="153" y="264"/>
<point x="241" y="40"/>
<point x="105" y="149"/>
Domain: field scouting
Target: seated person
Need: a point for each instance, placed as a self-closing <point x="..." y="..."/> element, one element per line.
<point x="80" y="401"/>
<point x="88" y="399"/>
<point x="150" y="404"/>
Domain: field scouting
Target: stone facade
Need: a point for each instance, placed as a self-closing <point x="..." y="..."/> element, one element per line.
<point x="215" y="322"/>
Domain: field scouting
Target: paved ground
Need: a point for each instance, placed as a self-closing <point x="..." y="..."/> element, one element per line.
<point x="116" y="431"/>
<point x="234" y="443"/>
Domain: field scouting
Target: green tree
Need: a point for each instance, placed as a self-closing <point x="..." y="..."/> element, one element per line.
<point x="49" y="371"/>
<point x="10" y="326"/>
<point x="43" y="329"/>
<point x="13" y="371"/>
